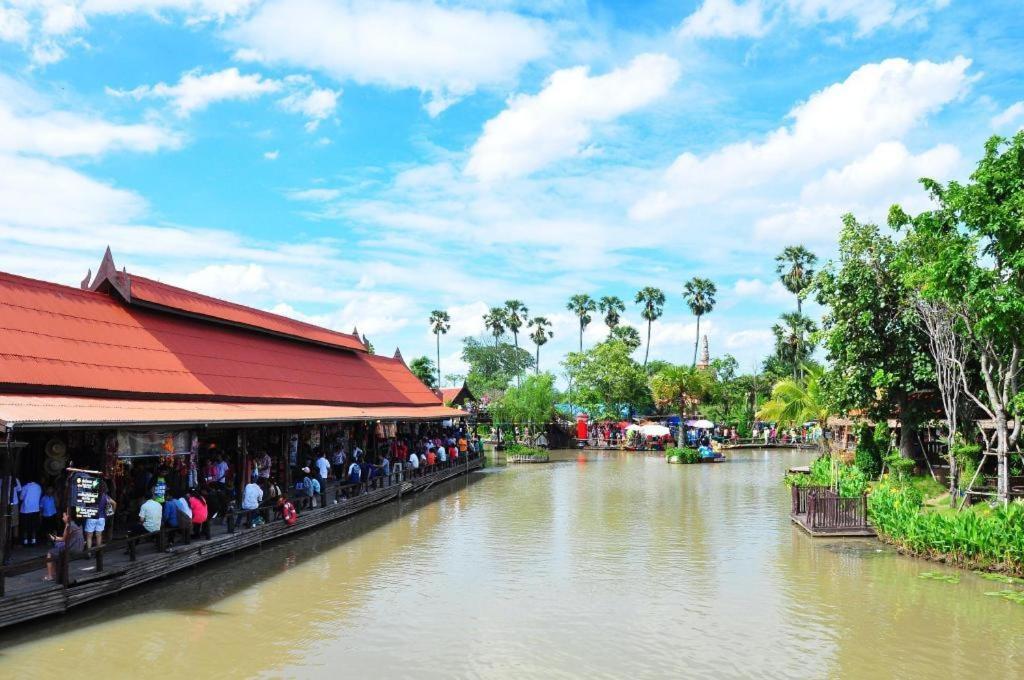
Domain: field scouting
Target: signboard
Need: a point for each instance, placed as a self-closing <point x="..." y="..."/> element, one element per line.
<point x="85" y="495"/>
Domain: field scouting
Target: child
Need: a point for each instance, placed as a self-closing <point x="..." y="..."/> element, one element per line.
<point x="48" y="509"/>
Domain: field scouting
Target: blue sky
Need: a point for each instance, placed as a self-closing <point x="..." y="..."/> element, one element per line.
<point x="358" y="163"/>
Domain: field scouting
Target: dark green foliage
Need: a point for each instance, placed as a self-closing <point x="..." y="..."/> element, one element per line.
<point x="868" y="454"/>
<point x="424" y="369"/>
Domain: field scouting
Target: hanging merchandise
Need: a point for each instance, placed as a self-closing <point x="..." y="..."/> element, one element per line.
<point x="293" y="449"/>
<point x="133" y="444"/>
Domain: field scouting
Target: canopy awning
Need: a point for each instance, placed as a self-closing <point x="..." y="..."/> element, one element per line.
<point x="61" y="412"/>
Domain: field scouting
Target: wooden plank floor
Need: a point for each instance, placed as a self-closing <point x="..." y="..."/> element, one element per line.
<point x="860" y="532"/>
<point x="28" y="596"/>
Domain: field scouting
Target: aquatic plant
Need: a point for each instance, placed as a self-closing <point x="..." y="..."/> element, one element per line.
<point x="936" y="576"/>
<point x="684" y="455"/>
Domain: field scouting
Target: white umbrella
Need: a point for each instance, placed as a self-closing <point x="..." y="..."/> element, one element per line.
<point x="634" y="426"/>
<point x="700" y="424"/>
<point x="654" y="430"/>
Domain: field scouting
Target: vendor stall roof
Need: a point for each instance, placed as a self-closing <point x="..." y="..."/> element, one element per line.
<point x="21" y="411"/>
<point x="60" y="340"/>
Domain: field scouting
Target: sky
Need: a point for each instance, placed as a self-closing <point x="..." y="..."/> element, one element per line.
<point x="363" y="163"/>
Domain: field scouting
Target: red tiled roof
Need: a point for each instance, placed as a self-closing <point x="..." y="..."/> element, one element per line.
<point x="148" y="291"/>
<point x="57" y="339"/>
<point x="449" y="393"/>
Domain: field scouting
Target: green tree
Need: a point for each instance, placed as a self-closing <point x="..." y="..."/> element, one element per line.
<point x="540" y="335"/>
<point x="582" y="305"/>
<point x="628" y="335"/>
<point x="440" y="324"/>
<point x="608" y="381"/>
<point x="793" y="341"/>
<point x="612" y="307"/>
<point x="795" y="267"/>
<point x="969" y="253"/>
<point x="653" y="306"/>
<point x="515" y="318"/>
<point x="493" y="367"/>
<point x="683" y="387"/>
<point x="495" y="322"/>
<point x="533" y="402"/>
<point x="423" y="368"/>
<point x="699" y="294"/>
<point x="797" y="400"/>
<point x="871" y="336"/>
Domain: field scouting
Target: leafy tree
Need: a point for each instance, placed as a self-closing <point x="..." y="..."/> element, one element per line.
<point x="871" y="335"/>
<point x="440" y="323"/>
<point x="793" y="341"/>
<point x="608" y="381"/>
<point x="540" y="335"/>
<point x="653" y="301"/>
<point x="612" y="307"/>
<point x="423" y="368"/>
<point x="681" y="386"/>
<point x="628" y="335"/>
<point x="794" y="265"/>
<point x="797" y="400"/>
<point x="495" y="322"/>
<point x="493" y="367"/>
<point x="700" y="298"/>
<point x="582" y="305"/>
<point x="969" y="253"/>
<point x="532" y="402"/>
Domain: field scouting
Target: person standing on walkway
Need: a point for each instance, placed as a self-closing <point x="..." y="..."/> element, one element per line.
<point x="30" y="495"/>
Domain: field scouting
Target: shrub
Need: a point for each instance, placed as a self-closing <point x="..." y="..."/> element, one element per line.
<point x="527" y="451"/>
<point x="678" y="455"/>
<point x="848" y="480"/>
<point x="871" y="442"/>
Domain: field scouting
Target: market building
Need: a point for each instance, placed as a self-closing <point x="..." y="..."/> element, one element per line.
<point x="126" y="375"/>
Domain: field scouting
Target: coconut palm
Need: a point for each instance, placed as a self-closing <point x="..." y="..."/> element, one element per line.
<point x="494" y="321"/>
<point x="541" y="334"/>
<point x="791" y="345"/>
<point x="626" y="335"/>
<point x="794" y="265"/>
<point x="440" y="324"/>
<point x="612" y="307"/>
<point x="700" y="297"/>
<point x="653" y="301"/>
<point x="797" y="400"/>
<point x="515" y="317"/>
<point x="582" y="305"/>
<point x="680" y="386"/>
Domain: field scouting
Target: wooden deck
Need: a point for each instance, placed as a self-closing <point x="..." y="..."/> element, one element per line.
<point x="27" y="596"/>
<point x="822" y="513"/>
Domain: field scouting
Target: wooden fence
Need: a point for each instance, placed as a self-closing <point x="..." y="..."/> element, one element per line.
<point x="821" y="508"/>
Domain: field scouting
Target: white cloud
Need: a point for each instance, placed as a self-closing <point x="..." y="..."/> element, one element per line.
<point x="556" y="123"/>
<point x="725" y="19"/>
<point x="758" y="289"/>
<point x="228" y="280"/>
<point x="876" y="103"/>
<point x="750" y="339"/>
<point x="194" y="10"/>
<point x="869" y="15"/>
<point x="443" y="51"/>
<point x="14" y="27"/>
<point x="1009" y="116"/>
<point x="315" y="103"/>
<point x="195" y="90"/>
<point x="61" y="18"/>
<point x="314" y="195"/>
<point x="271" y="155"/>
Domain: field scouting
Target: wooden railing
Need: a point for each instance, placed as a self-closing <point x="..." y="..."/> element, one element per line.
<point x="826" y="510"/>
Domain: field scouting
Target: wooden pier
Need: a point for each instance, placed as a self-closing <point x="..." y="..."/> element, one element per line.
<point x="108" y="571"/>
<point x="822" y="513"/>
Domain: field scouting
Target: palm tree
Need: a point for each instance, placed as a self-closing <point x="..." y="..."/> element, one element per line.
<point x="681" y="386"/>
<point x="582" y="305"/>
<point x="515" y="317"/>
<point x="612" y="307"/>
<point x="700" y="297"/>
<point x="653" y="301"/>
<point x="794" y="265"/>
<point x="440" y="324"/>
<point x="494" y="321"/>
<point x="627" y="335"/>
<point x="540" y="336"/>
<point x="797" y="400"/>
<point x="791" y="347"/>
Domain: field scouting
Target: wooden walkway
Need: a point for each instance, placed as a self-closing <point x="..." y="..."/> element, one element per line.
<point x="27" y="596"/>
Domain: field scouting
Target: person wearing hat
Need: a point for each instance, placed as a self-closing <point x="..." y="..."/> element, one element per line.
<point x="310" y="485"/>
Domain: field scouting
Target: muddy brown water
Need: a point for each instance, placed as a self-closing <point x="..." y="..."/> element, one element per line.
<point x="619" y="566"/>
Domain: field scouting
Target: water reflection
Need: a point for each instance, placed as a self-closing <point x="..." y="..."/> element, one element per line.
<point x="619" y="566"/>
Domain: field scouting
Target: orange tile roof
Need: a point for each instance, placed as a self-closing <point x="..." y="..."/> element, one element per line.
<point x="54" y="411"/>
<point x="56" y="339"/>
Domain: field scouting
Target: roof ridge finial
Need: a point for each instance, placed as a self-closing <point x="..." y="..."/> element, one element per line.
<point x="398" y="354"/>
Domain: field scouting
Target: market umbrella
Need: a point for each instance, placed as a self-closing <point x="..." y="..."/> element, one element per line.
<point x="654" y="430"/>
<point x="700" y="424"/>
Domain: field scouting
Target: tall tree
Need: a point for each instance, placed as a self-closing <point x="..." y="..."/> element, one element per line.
<point x="494" y="321"/>
<point x="612" y="307"/>
<point x="870" y="331"/>
<point x="628" y="335"/>
<point x="607" y="379"/>
<point x="582" y="305"/>
<point x="797" y="400"/>
<point x="440" y="324"/>
<point x="681" y="386"/>
<point x="423" y="368"/>
<point x="653" y="305"/>
<point x="793" y="341"/>
<point x="540" y="335"/>
<point x="515" y="317"/>
<point x="492" y="368"/>
<point x="699" y="294"/>
<point x="970" y="255"/>
<point x="795" y="267"/>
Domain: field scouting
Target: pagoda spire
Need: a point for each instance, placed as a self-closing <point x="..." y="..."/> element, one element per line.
<point x="705" y="355"/>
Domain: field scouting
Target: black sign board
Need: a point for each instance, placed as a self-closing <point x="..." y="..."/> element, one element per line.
<point x="85" y="495"/>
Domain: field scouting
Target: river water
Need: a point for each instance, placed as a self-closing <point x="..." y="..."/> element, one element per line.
<point x="619" y="566"/>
